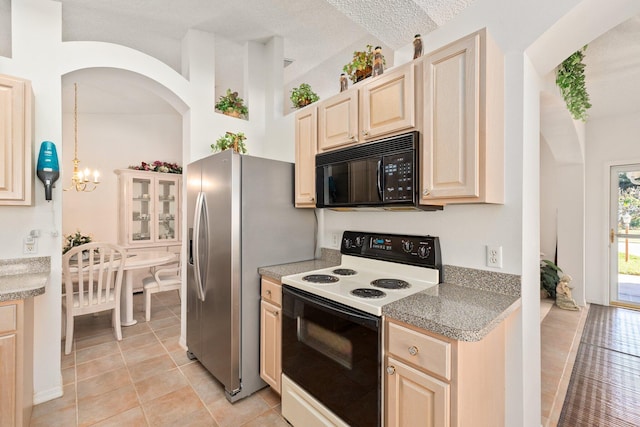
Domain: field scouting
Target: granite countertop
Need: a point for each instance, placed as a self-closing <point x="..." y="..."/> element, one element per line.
<point x="329" y="258"/>
<point x="467" y="310"/>
<point x="23" y="277"/>
<point x="466" y="307"/>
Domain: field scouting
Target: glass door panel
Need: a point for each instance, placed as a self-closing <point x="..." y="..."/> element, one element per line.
<point x="141" y="193"/>
<point x="625" y="235"/>
<point x="167" y="210"/>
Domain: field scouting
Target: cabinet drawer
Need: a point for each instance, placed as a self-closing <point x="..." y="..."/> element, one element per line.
<point x="271" y="290"/>
<point x="420" y="350"/>
<point x="8" y="318"/>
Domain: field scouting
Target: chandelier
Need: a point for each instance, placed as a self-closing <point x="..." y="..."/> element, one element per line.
<point x="80" y="180"/>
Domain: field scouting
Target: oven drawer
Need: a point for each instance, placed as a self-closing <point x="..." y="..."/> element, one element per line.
<point x="271" y="290"/>
<point x="421" y="350"/>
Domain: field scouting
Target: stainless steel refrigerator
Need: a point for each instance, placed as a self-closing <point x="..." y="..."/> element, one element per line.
<point x="240" y="216"/>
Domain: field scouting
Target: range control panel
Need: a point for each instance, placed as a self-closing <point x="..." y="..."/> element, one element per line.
<point x="422" y="251"/>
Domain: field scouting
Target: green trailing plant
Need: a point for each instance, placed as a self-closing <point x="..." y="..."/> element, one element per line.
<point x="231" y="140"/>
<point x="231" y="104"/>
<point x="570" y="79"/>
<point x="549" y="277"/>
<point x="361" y="65"/>
<point x="303" y="95"/>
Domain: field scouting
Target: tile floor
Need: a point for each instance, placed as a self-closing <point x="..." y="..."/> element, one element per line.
<point x="146" y="379"/>
<point x="560" y="332"/>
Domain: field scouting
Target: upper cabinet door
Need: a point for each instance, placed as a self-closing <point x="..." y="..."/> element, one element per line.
<point x="387" y="103"/>
<point x="306" y="142"/>
<point x="338" y="121"/>
<point x="462" y="158"/>
<point x="16" y="177"/>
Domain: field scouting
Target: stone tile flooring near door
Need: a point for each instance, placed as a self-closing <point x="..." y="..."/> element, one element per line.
<point x="145" y="379"/>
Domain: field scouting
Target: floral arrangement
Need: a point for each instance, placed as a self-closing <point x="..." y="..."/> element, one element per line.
<point x="75" y="239"/>
<point x="158" y="166"/>
<point x="361" y="65"/>
<point x="231" y="140"/>
<point x="232" y="105"/>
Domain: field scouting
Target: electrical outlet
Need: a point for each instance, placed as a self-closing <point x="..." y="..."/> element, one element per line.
<point x="30" y="245"/>
<point x="335" y="240"/>
<point x="494" y="256"/>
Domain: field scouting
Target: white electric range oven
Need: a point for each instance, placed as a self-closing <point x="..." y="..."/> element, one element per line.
<point x="332" y="327"/>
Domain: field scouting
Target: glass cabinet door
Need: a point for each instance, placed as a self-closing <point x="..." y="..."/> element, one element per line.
<point x="141" y="193"/>
<point x="167" y="209"/>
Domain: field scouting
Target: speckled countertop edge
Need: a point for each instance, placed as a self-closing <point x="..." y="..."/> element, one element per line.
<point x="22" y="278"/>
<point x="467" y="310"/>
<point x="327" y="259"/>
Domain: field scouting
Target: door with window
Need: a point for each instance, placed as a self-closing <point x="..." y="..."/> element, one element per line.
<point x="624" y="235"/>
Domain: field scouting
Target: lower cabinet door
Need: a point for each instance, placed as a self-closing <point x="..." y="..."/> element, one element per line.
<point x="270" y="344"/>
<point x="413" y="398"/>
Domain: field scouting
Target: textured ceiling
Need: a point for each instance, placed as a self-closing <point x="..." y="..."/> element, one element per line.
<point x="315" y="30"/>
<point x="312" y="30"/>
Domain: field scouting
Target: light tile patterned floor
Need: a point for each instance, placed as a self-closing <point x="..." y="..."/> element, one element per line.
<point x="145" y="379"/>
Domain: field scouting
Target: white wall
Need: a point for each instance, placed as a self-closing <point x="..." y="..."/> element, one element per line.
<point x="109" y="142"/>
<point x="610" y="141"/>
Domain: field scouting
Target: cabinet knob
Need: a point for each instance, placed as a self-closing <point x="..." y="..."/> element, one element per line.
<point x="391" y="370"/>
<point x="352" y="137"/>
<point x="276" y="313"/>
<point x="313" y="199"/>
<point x="413" y="350"/>
<point x="426" y="192"/>
<point x="365" y="133"/>
<point x="268" y="292"/>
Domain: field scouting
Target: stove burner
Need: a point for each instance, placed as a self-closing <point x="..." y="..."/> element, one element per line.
<point x="320" y="278"/>
<point x="368" y="293"/>
<point x="344" y="272"/>
<point x="390" y="284"/>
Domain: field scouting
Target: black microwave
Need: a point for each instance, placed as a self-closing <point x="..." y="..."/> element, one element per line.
<point x="379" y="174"/>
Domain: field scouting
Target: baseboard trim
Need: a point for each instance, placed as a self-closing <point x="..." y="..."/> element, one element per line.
<point x="47" y="395"/>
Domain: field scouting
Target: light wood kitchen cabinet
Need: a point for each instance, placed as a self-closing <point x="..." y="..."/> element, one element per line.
<point x="387" y="103"/>
<point x="338" y="121"/>
<point x="16" y="171"/>
<point x="16" y="362"/>
<point x="306" y="147"/>
<point x="431" y="380"/>
<point x="376" y="107"/>
<point x="149" y="208"/>
<point x="462" y="155"/>
<point x="271" y="333"/>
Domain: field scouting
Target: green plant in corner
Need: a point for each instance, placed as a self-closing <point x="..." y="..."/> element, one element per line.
<point x="231" y="140"/>
<point x="303" y="95"/>
<point x="570" y="79"/>
<point x="549" y="277"/>
<point x="232" y="105"/>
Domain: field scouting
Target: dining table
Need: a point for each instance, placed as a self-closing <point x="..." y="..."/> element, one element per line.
<point x="134" y="262"/>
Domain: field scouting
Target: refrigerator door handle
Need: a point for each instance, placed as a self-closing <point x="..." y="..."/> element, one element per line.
<point x="200" y="226"/>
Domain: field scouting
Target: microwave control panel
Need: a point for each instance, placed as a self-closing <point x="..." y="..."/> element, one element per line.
<point x="398" y="177"/>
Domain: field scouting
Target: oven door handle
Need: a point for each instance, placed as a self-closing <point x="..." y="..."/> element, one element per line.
<point x="361" y="318"/>
<point x="379" y="179"/>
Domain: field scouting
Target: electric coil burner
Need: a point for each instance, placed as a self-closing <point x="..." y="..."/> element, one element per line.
<point x="344" y="272"/>
<point x="390" y="284"/>
<point x="320" y="278"/>
<point x="368" y="293"/>
<point x="331" y="318"/>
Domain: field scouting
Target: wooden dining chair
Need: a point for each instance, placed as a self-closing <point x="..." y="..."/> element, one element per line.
<point x="93" y="275"/>
<point x="163" y="279"/>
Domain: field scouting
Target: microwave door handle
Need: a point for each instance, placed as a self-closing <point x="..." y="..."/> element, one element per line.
<point x="379" y="179"/>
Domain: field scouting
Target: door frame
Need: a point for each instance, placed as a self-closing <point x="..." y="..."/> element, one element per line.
<point x="612" y="263"/>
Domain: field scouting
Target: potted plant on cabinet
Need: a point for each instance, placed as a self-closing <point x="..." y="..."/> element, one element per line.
<point x="232" y="105"/>
<point x="361" y="65"/>
<point x="231" y="140"/>
<point x="303" y="95"/>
